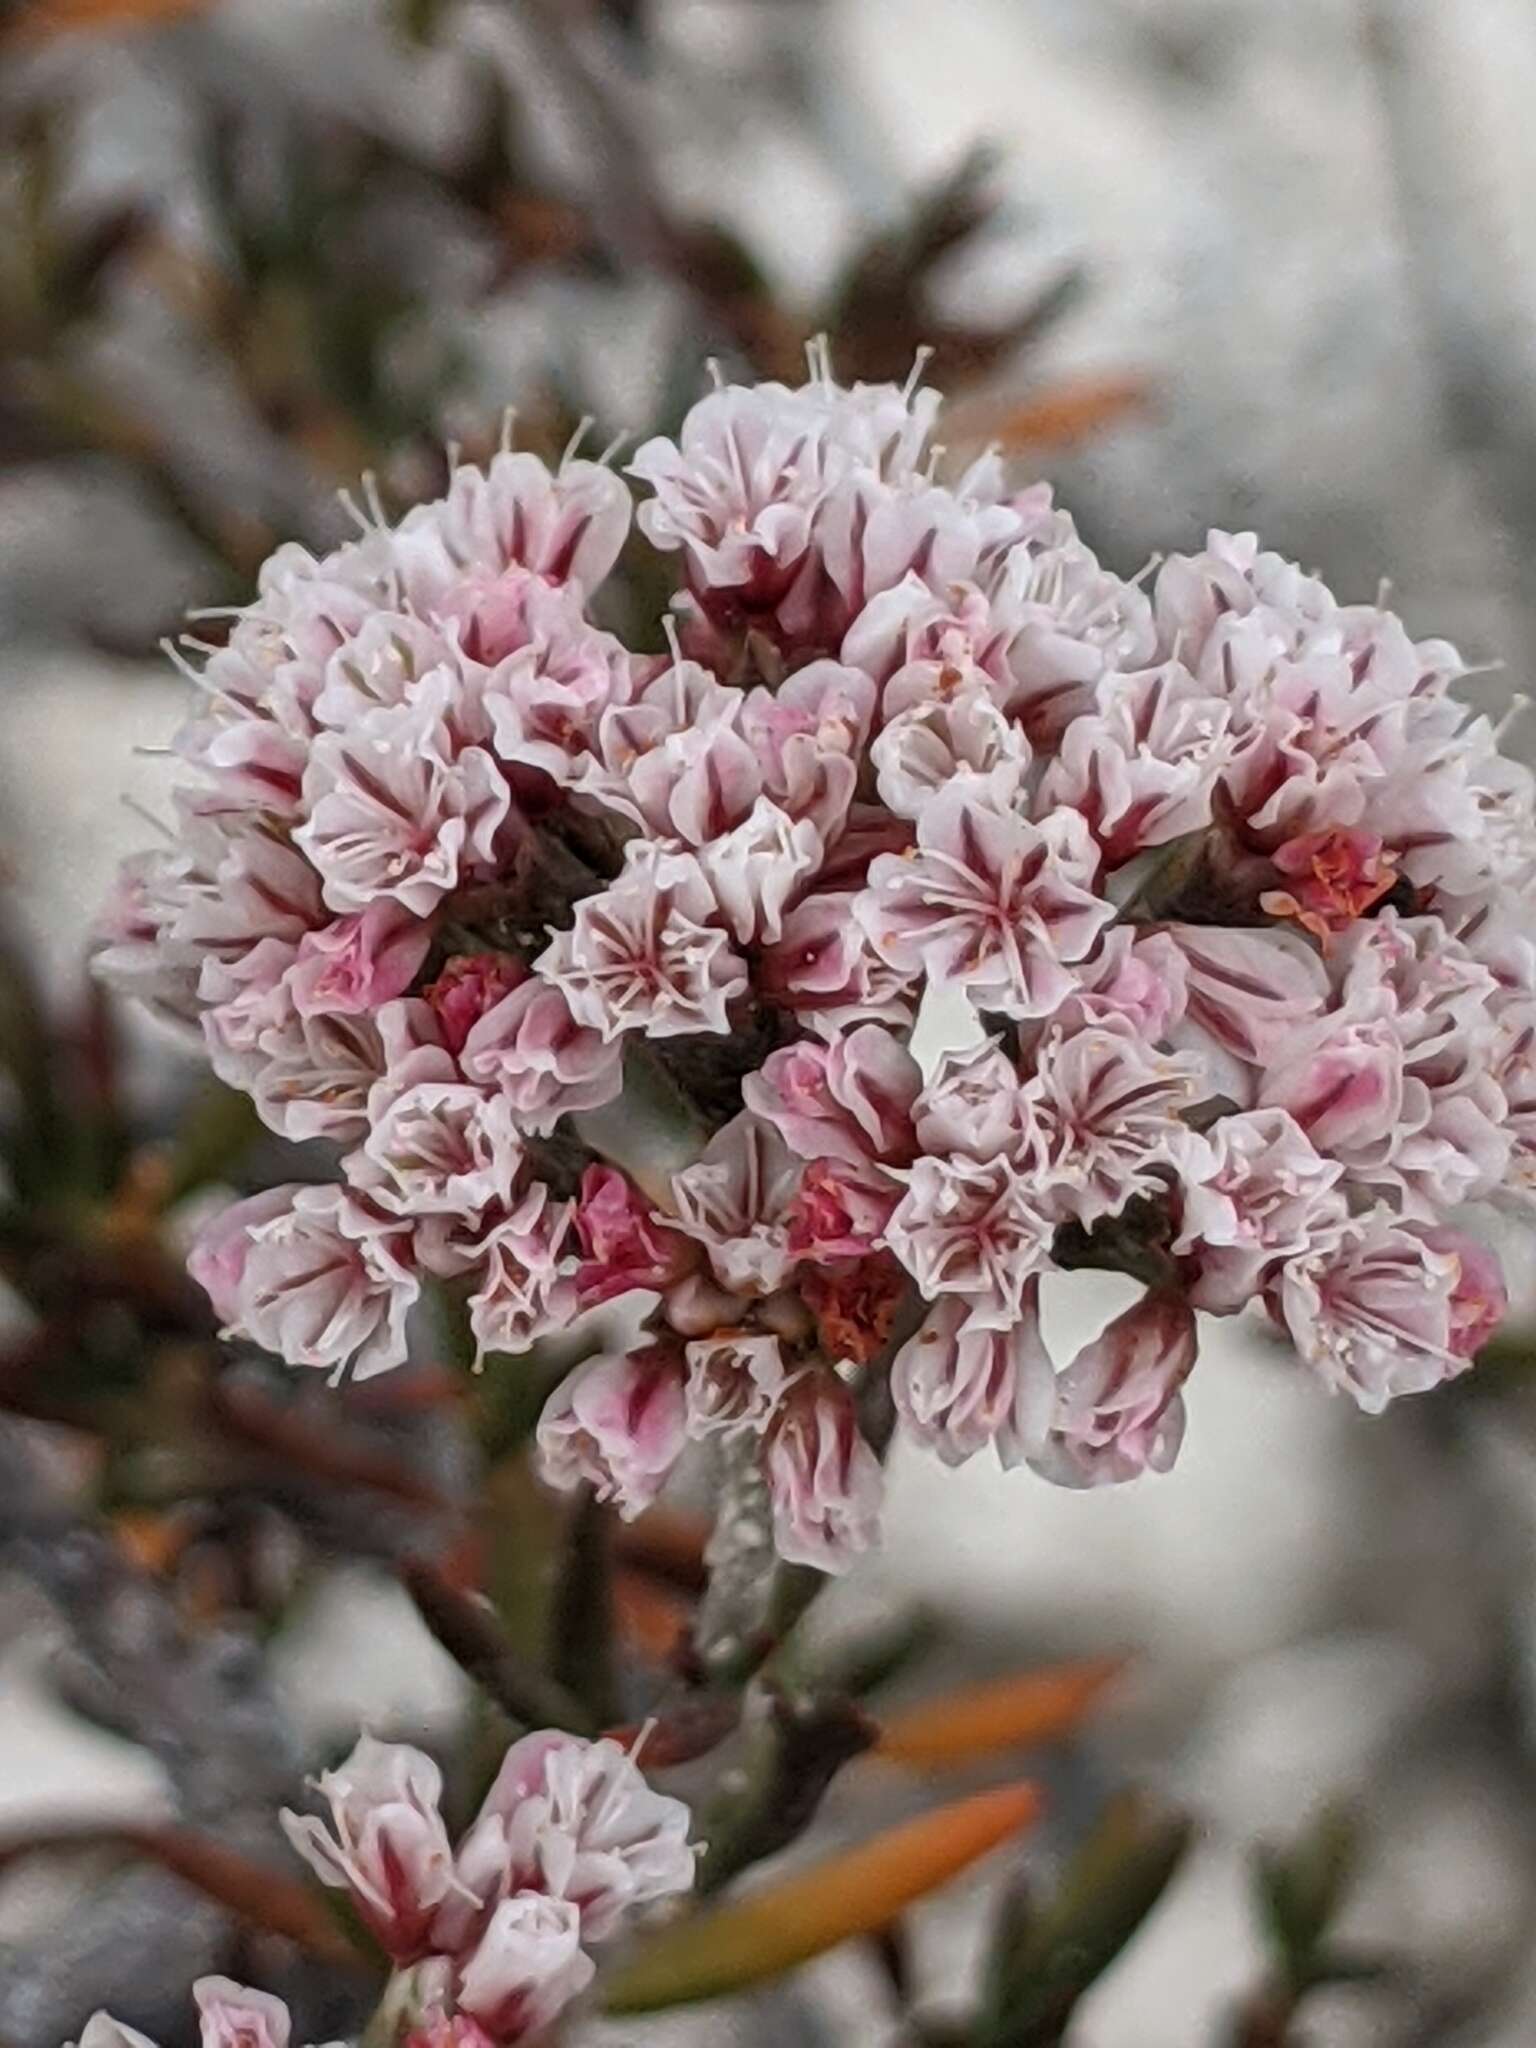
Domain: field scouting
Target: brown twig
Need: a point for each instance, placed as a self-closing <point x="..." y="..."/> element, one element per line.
<point x="466" y="1626"/>
<point x="265" y="1898"/>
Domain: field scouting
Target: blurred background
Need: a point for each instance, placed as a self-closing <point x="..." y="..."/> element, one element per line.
<point x="1262" y="263"/>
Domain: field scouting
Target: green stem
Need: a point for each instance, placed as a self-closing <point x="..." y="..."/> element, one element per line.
<point x="651" y="1130"/>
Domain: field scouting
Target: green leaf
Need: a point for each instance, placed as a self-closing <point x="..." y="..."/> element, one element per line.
<point x="217" y="1129"/>
<point x="1044" y="1958"/>
<point x="1299" y="1889"/>
<point x="856" y="1892"/>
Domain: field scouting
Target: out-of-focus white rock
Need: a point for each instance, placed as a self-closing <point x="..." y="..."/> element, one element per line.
<point x="76" y="780"/>
<point x="56" y="1767"/>
<point x="358" y="1656"/>
<point x="1234" y="1549"/>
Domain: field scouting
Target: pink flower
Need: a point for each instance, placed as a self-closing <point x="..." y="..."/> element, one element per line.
<point x="386" y="1845"/>
<point x="976" y="1104"/>
<point x="824" y="1481"/>
<point x="824" y="969"/>
<point x="971" y="1228"/>
<point x="395" y="810"/>
<point x="735" y="1380"/>
<point x="565" y="527"/>
<point x="958" y="1388"/>
<point x="624" y="1242"/>
<point x="238" y="884"/>
<point x="316" y="1077"/>
<point x="233" y="2016"/>
<point x="741" y="489"/>
<point x="523" y="1290"/>
<point x="217" y="1258"/>
<point x="383" y="666"/>
<point x="528" y="1967"/>
<point x="438" y="2029"/>
<point x="807" y="736"/>
<point x="618" y="1424"/>
<point x="574" y="1820"/>
<point x="839" y="1211"/>
<point x="1119" y="1409"/>
<point x="757" y="866"/>
<point x="850" y="1099"/>
<point x="326" y="1280"/>
<point x="1230" y="576"/>
<point x="1245" y="995"/>
<point x="250" y="1011"/>
<point x="546" y="697"/>
<point x="672" y="761"/>
<point x="436" y="1145"/>
<point x="1136" y="980"/>
<point x="1070" y="620"/>
<point x="1386" y="1311"/>
<point x="1109" y="1112"/>
<point x="1255" y="1191"/>
<point x="1337" y="874"/>
<point x="1142" y="768"/>
<point x="356" y="963"/>
<point x="957" y="738"/>
<point x="735" y="1201"/>
<point x="1341" y="1078"/>
<point x="643" y="955"/>
<point x="469" y="986"/>
<point x="989" y="902"/>
<point x="545" y="1064"/>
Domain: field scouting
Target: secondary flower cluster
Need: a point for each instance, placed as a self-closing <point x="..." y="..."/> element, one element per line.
<point x="1224" y="872"/>
<point x="229" y="2015"/>
<point x="569" y="1841"/>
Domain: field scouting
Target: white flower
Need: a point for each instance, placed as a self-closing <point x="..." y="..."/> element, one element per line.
<point x="643" y="954"/>
<point x="386" y="1845"/>
<point x="527" y="1968"/>
<point x="988" y="901"/>
<point x="824" y="1482"/>
<point x="735" y="1200"/>
<point x="958" y="1387"/>
<point x="327" y="1281"/>
<point x="972" y="1228"/>
<point x="395" y="810"/>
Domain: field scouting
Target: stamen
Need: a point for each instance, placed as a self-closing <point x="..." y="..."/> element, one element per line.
<point x="922" y="356"/>
<point x="584" y="427"/>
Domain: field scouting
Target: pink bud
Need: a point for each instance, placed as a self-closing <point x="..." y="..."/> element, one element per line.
<point x="470" y="985"/>
<point x="1119" y="1410"/>
<point x="824" y="1481"/>
<point x="233" y="2016"/>
<point x="618" y="1423"/>
<point x="1337" y="876"/>
<point x="626" y="1245"/>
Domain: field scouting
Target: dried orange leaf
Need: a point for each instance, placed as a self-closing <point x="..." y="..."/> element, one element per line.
<point x="857" y="1892"/>
<point x="257" y="1893"/>
<point x="1060" y="415"/>
<point x="654" y="1621"/>
<point x="58" y="17"/>
<point x="1033" y="1706"/>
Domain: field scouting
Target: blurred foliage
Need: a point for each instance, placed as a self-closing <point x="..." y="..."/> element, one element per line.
<point x="323" y="269"/>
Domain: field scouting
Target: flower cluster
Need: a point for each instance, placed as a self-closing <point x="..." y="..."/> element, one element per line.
<point x="495" y="1931"/>
<point x="1225" y="873"/>
<point x="229" y="2016"/>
